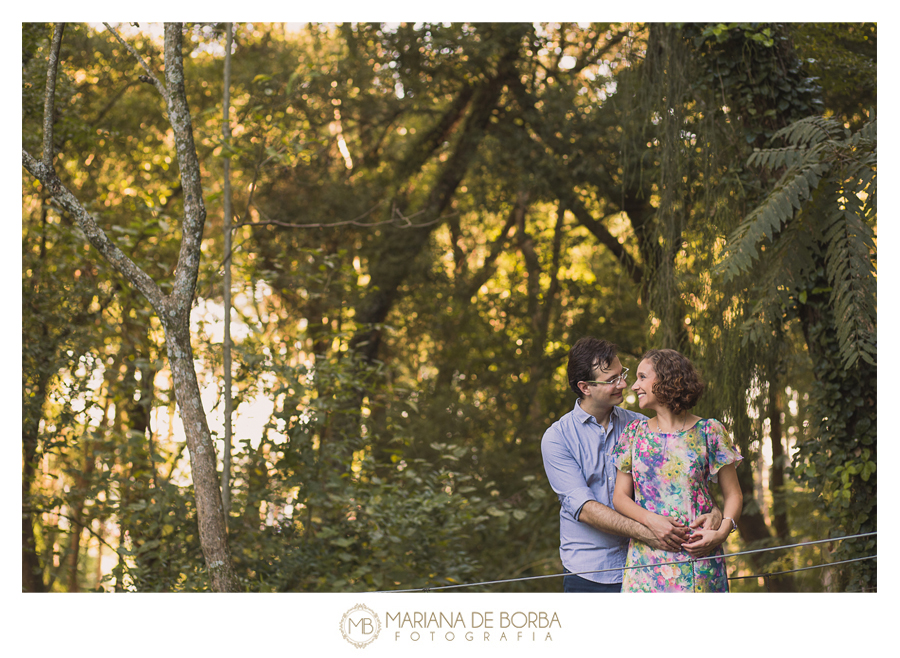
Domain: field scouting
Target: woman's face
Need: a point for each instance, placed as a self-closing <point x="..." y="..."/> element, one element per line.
<point x="643" y="385"/>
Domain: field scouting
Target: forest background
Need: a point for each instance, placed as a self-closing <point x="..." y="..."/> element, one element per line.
<point x="423" y="218"/>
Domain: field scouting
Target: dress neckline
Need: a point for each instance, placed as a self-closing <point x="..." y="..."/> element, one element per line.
<point x="681" y="431"/>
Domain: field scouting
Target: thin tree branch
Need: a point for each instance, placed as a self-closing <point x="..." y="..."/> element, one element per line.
<point x="95" y="235"/>
<point x="252" y="188"/>
<point x="115" y="99"/>
<point x="152" y="79"/>
<point x="189" y="167"/>
<point x="597" y="228"/>
<point x="397" y="219"/>
<point x="609" y="45"/>
<point x="516" y="216"/>
<point x="77" y="522"/>
<point x="50" y="94"/>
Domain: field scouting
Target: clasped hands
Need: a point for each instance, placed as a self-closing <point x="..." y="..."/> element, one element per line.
<point x="698" y="539"/>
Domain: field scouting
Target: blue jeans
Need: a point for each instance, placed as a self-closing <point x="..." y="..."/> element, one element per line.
<point x="573" y="583"/>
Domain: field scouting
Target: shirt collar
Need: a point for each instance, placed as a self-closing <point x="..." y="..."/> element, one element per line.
<point x="584" y="417"/>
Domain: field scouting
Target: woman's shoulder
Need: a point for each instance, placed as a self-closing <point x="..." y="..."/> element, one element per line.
<point x="635" y="423"/>
<point x="629" y="419"/>
<point x="711" y="426"/>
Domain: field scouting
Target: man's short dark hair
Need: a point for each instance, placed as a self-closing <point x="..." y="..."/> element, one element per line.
<point x="586" y="354"/>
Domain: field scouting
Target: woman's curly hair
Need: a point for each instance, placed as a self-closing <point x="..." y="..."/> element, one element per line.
<point x="678" y="385"/>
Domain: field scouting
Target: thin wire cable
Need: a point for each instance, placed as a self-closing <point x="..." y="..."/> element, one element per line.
<point x="659" y="564"/>
<point x="817" y="566"/>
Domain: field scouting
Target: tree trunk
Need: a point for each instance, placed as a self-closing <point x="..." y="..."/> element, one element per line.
<point x="173" y="310"/>
<point x="540" y="306"/>
<point x="776" y="474"/>
<point x="204" y="472"/>
<point x="32" y="580"/>
<point x="226" y="291"/>
<point x="390" y="271"/>
<point x="77" y="507"/>
<point x="847" y="401"/>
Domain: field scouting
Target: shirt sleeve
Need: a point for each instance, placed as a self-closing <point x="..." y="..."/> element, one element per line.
<point x="564" y="473"/>
<point x="621" y="454"/>
<point x="720" y="448"/>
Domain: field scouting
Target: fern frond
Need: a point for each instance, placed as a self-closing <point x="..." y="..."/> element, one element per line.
<point x="790" y="262"/>
<point x="849" y="268"/>
<point x="810" y="131"/>
<point x="829" y="190"/>
<point x="779" y="158"/>
<point x="869" y="131"/>
<point x="765" y="222"/>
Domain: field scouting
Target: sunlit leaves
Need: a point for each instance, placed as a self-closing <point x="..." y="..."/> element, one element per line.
<point x="839" y="213"/>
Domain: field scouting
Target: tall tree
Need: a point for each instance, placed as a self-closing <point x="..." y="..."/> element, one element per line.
<point x="174" y="309"/>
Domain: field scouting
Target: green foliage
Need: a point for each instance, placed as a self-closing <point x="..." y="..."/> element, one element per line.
<point x="815" y="264"/>
<point x="758" y="77"/>
<point x="843" y="58"/>
<point x="746" y="314"/>
<point x="320" y="513"/>
<point x="834" y="224"/>
<point x="839" y="464"/>
<point x="567" y="179"/>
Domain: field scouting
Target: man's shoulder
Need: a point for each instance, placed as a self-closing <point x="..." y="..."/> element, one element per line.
<point x="562" y="427"/>
<point x="627" y="416"/>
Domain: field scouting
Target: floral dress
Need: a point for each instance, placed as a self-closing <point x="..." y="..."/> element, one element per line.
<point x="671" y="473"/>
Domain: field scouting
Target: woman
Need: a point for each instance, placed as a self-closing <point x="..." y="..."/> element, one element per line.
<point x="665" y="464"/>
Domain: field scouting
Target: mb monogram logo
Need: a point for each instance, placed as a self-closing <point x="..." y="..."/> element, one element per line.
<point x="360" y="626"/>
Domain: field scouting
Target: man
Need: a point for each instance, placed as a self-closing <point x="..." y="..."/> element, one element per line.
<point x="576" y="451"/>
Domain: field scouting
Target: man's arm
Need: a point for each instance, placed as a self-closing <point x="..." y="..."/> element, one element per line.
<point x="667" y="533"/>
<point x="564" y="475"/>
<point x="599" y="516"/>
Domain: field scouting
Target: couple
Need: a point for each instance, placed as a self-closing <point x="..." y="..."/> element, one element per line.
<point x="620" y="475"/>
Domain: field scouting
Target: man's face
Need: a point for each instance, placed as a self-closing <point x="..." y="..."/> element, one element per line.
<point x="605" y="393"/>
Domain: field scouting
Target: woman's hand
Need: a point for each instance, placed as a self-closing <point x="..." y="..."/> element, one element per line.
<point x="704" y="541"/>
<point x="709" y="521"/>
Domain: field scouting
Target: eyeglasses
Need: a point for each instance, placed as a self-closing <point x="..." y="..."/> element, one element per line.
<point x="615" y="380"/>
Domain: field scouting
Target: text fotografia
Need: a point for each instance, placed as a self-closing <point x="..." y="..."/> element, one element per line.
<point x="479" y="626"/>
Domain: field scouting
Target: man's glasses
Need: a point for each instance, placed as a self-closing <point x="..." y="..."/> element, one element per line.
<point x="615" y="380"/>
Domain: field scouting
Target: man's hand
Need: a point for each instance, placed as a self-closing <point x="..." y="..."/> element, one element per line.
<point x="665" y="534"/>
<point x="710" y="521"/>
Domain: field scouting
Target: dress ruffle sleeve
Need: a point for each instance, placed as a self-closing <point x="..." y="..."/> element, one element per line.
<point x="720" y="448"/>
<point x="622" y="453"/>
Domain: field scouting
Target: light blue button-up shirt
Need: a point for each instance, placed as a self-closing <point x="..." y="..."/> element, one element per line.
<point x="577" y="460"/>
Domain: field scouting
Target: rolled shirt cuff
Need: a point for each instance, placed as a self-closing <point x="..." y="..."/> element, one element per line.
<point x="575" y="500"/>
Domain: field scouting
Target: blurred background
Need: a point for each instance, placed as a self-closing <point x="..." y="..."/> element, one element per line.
<point x="423" y="219"/>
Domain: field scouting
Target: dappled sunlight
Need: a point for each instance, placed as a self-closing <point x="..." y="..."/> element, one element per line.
<point x="425" y="218"/>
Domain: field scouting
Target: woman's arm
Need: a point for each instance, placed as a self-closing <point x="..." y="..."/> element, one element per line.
<point x="704" y="541"/>
<point x="667" y="533"/>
